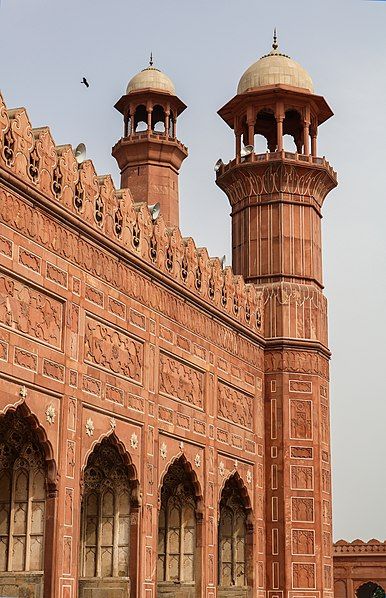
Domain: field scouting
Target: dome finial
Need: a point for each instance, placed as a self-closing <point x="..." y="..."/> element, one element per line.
<point x="151" y="59"/>
<point x="275" y="45"/>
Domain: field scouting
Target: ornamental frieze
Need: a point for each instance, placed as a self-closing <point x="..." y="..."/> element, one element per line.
<point x="181" y="381"/>
<point x="303" y="362"/>
<point x="113" y="350"/>
<point x="235" y="406"/>
<point x="29" y="311"/>
<point x="100" y="264"/>
<point x="277" y="178"/>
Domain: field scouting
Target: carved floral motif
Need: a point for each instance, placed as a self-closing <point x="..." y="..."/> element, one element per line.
<point x="235" y="406"/>
<point x="29" y="311"/>
<point x="304" y="362"/>
<point x="134" y="441"/>
<point x="50" y="413"/>
<point x="303" y="541"/>
<point x="303" y="575"/>
<point x="113" y="350"/>
<point x="302" y="509"/>
<point x="181" y="381"/>
<point x="259" y="180"/>
<point x="89" y="427"/>
<point x="163" y="451"/>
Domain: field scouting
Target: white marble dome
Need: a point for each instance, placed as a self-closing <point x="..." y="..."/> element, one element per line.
<point x="151" y="78"/>
<point x="274" y="68"/>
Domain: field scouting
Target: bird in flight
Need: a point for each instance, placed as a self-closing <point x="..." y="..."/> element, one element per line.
<point x="85" y="82"/>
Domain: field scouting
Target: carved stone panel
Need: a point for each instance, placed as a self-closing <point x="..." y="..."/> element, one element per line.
<point x="302" y="509"/>
<point x="302" y="477"/>
<point x="181" y="381"/>
<point x="301" y="419"/>
<point x="26" y="310"/>
<point x="303" y="541"/>
<point x="303" y="575"/>
<point x="235" y="406"/>
<point x="113" y="350"/>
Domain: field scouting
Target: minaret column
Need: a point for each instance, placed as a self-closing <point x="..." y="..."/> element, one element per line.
<point x="276" y="206"/>
<point x="279" y="115"/>
<point x="150" y="163"/>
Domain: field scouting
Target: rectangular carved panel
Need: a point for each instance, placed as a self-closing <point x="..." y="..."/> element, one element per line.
<point x="113" y="350"/>
<point x="301" y="419"/>
<point x="181" y="381"/>
<point x="302" y="477"/>
<point x="303" y="575"/>
<point x="303" y="541"/>
<point x="29" y="260"/>
<point x="300" y="386"/>
<point x="301" y="452"/>
<point x="56" y="274"/>
<point x="235" y="406"/>
<point x="302" y="509"/>
<point x="30" y="312"/>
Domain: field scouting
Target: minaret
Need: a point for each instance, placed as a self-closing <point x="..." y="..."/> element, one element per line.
<point x="149" y="154"/>
<point x="276" y="200"/>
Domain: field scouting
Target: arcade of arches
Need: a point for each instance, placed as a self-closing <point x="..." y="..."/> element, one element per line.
<point x="108" y="521"/>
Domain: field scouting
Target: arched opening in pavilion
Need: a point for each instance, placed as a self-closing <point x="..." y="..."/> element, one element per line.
<point x="158" y="119"/>
<point x="140" y="119"/>
<point x="293" y="131"/>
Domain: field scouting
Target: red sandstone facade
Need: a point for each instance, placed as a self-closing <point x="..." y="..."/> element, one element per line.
<point x="165" y="421"/>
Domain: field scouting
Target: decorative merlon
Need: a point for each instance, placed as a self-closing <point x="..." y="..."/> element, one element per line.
<point x="342" y="547"/>
<point x="93" y="202"/>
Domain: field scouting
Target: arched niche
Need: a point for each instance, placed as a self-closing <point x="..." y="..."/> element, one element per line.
<point x="235" y="539"/>
<point x="109" y="520"/>
<point x="28" y="493"/>
<point x="179" y="532"/>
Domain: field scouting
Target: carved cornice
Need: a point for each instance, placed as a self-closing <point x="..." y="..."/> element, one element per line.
<point x="359" y="547"/>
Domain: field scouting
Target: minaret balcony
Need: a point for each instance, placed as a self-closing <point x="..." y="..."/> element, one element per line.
<point x="155" y="136"/>
<point x="292" y="157"/>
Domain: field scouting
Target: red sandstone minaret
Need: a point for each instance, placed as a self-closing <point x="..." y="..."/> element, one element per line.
<point x="150" y="155"/>
<point x="276" y="201"/>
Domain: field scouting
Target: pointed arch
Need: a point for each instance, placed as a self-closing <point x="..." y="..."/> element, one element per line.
<point x="22" y="410"/>
<point x="109" y="516"/>
<point x="158" y="119"/>
<point x="179" y="530"/>
<point x="244" y="494"/>
<point x="126" y="459"/>
<point x="140" y="119"/>
<point x="235" y="536"/>
<point x="28" y="492"/>
<point x="191" y="475"/>
<point x="370" y="589"/>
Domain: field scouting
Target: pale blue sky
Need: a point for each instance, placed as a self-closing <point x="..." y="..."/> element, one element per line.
<point x="204" y="46"/>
